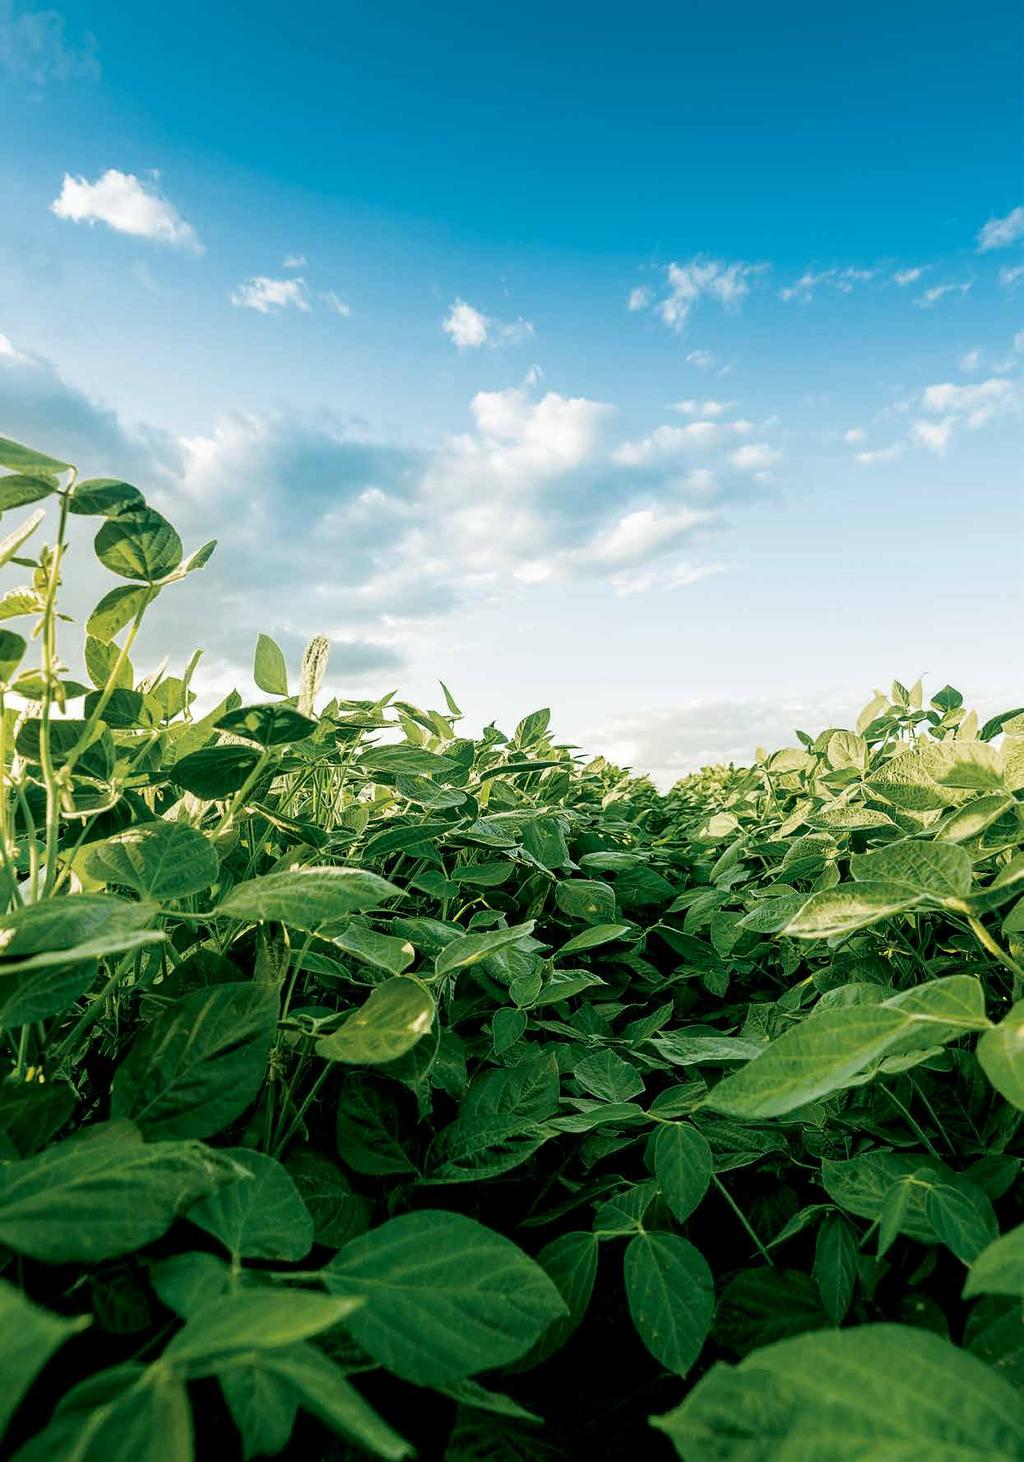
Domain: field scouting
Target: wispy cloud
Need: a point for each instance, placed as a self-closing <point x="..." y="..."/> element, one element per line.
<point x="294" y="261"/>
<point x="844" y="280"/>
<point x="1011" y="275"/>
<point x="880" y="454"/>
<point x="334" y="302"/>
<point x="469" y="328"/>
<point x="128" y="205"/>
<point x="34" y="46"/>
<point x="268" y="296"/>
<point x="903" y="277"/>
<point x="931" y="297"/>
<point x="726" y="284"/>
<point x="998" y="233"/>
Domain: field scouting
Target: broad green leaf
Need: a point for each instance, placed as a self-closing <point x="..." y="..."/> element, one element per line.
<point x="671" y="1296"/>
<point x="962" y="1217"/>
<point x="18" y="489"/>
<point x="941" y="870"/>
<point x="850" y="906"/>
<point x="273" y="725"/>
<point x="139" y="544"/>
<point x="12" y="650"/>
<point x="683" y="1166"/>
<point x="394" y="1017"/>
<point x="102" y="1193"/>
<point x="256" y="1319"/>
<point x="338" y="1213"/>
<point x="307" y="898"/>
<point x="1001" y="1054"/>
<point x="316" y="1385"/>
<point x="199" y="1064"/>
<point x="270" y="670"/>
<point x="570" y="1262"/>
<point x="383" y="951"/>
<point x="261" y="1216"/>
<point x="25" y="459"/>
<point x="999" y="1268"/>
<point x="470" y="949"/>
<point x="591" y="938"/>
<point x="830" y="1047"/>
<point x="404" y="760"/>
<point x="65" y="926"/>
<point x="586" y="899"/>
<point x="122" y="1415"/>
<point x="160" y="860"/>
<point x="117" y="609"/>
<point x="608" y="1076"/>
<point x="835" y="1265"/>
<point x="105" y="497"/>
<point x="186" y="1282"/>
<point x="215" y="772"/>
<point x="872" y="1391"/>
<point x="445" y="1296"/>
<point x="29" y="1335"/>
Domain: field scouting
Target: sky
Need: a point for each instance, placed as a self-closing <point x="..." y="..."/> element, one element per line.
<point x="661" y="365"/>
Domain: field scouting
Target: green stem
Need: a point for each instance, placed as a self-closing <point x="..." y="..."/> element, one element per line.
<point x="742" y="1218"/>
<point x="996" y="950"/>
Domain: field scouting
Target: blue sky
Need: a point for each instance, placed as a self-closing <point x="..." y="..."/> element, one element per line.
<point x="663" y="366"/>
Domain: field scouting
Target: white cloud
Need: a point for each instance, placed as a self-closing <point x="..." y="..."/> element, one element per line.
<point x="970" y="360"/>
<point x="1018" y="342"/>
<point x="938" y="291"/>
<point x="977" y="403"/>
<point x="469" y="328"/>
<point x="935" y="435"/>
<point x="336" y="303"/>
<point x="843" y="280"/>
<point x="727" y="284"/>
<point x="880" y="454"/>
<point x="8" y="351"/>
<point x="127" y="205"/>
<point x="853" y="434"/>
<point x="998" y="233"/>
<point x="755" y="457"/>
<point x="1009" y="277"/>
<point x="702" y="359"/>
<point x="270" y="295"/>
<point x="903" y="277"/>
<point x="704" y="408"/>
<point x="294" y="261"/>
<point x="34" y="46"/>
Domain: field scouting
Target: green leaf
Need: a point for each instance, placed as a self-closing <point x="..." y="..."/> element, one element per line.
<point x="215" y="772"/>
<point x="24" y="459"/>
<point x="29" y="1335"/>
<point x="259" y="1217"/>
<point x="470" y="949"/>
<point x="117" y="609"/>
<point x="306" y="898"/>
<point x="586" y="899"/>
<point x="835" y="1266"/>
<point x="999" y="1268"/>
<point x="1001" y="1055"/>
<point x="123" y="1415"/>
<point x="941" y="870"/>
<point x="590" y="938"/>
<point x="199" y="1064"/>
<point x="319" y="1387"/>
<point x="683" y="1167"/>
<point x="608" y="1076"/>
<point x="963" y="1218"/>
<point x="140" y="544"/>
<point x="850" y="906"/>
<point x="671" y="1297"/>
<point x="160" y="860"/>
<point x="18" y="489"/>
<point x="12" y="651"/>
<point x="445" y="1297"/>
<point x="105" y="497"/>
<point x="102" y="1193"/>
<point x="570" y="1262"/>
<point x="337" y="1212"/>
<point x="396" y="1015"/>
<point x="257" y="1319"/>
<point x="383" y="951"/>
<point x="834" y="1044"/>
<point x="273" y="725"/>
<point x="873" y="1391"/>
<point x="270" y="671"/>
